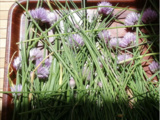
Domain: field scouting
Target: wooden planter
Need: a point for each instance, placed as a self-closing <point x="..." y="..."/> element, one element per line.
<point x="15" y="33"/>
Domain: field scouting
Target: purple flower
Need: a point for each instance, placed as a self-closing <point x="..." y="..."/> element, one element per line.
<point x="117" y="42"/>
<point x="123" y="58"/>
<point x="76" y="40"/>
<point x="154" y="67"/>
<point x="17" y="63"/>
<point x="52" y="17"/>
<point x="105" y="10"/>
<point x="131" y="19"/>
<point x="16" y="88"/>
<point x="42" y="72"/>
<point x="72" y="83"/>
<point x="39" y="14"/>
<point x="47" y="62"/>
<point x="149" y="16"/>
<point x="129" y="38"/>
<point x="100" y="84"/>
<point x="34" y="54"/>
<point x="104" y="35"/>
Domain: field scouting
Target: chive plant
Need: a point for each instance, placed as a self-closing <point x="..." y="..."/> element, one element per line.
<point x="81" y="72"/>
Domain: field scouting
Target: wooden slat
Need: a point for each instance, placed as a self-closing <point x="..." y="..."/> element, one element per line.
<point x="3" y="24"/>
<point x="2" y="43"/>
<point x="3" y="15"/>
<point x="1" y="83"/>
<point x="8" y="0"/>
<point x="2" y="52"/>
<point x="1" y="73"/>
<point x="5" y="5"/>
<point x="3" y="33"/>
<point x="1" y="62"/>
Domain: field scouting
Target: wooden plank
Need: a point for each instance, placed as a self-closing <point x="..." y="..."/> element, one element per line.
<point x="3" y="15"/>
<point x="2" y="52"/>
<point x="1" y="62"/>
<point x="3" y="33"/>
<point x="2" y="43"/>
<point x="8" y="0"/>
<point x="5" y="5"/>
<point x="1" y="83"/>
<point x="1" y="73"/>
<point x="3" y="24"/>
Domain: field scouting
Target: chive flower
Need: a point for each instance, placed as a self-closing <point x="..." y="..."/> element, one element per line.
<point x="76" y="40"/>
<point x="117" y="42"/>
<point x="154" y="67"/>
<point x="43" y="69"/>
<point x="105" y="10"/>
<point x="47" y="62"/>
<point x="17" y="63"/>
<point x="35" y="54"/>
<point x="42" y="72"/>
<point x="129" y="38"/>
<point x="72" y="83"/>
<point x="104" y="35"/>
<point x="149" y="16"/>
<point x="131" y="19"/>
<point x="16" y="88"/>
<point x="123" y="58"/>
<point x="39" y="14"/>
<point x="52" y="17"/>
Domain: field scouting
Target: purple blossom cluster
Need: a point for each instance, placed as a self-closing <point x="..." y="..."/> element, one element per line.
<point x="104" y="35"/>
<point x="16" y="88"/>
<point x="43" y="16"/>
<point x="39" y="14"/>
<point x="105" y="10"/>
<point x="149" y="16"/>
<point x="76" y="40"/>
<point x="131" y="19"/>
<point x="128" y="39"/>
<point x="154" y="66"/>
<point x="43" y="70"/>
<point x="35" y="54"/>
<point x="123" y="59"/>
